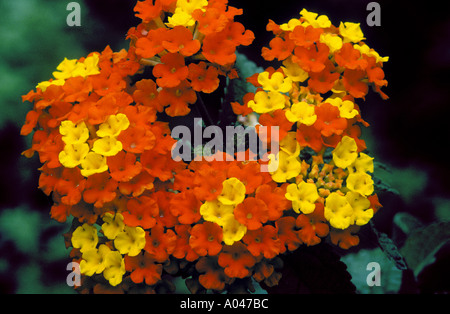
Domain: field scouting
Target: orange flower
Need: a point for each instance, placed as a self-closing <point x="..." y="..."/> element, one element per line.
<point x="150" y="46"/>
<point x="186" y="207"/>
<point x="143" y="268"/>
<point x="309" y="136"/>
<point x="141" y="212"/>
<point x="345" y="238"/>
<point x="375" y="73"/>
<point x="273" y="197"/>
<point x="179" y="39"/>
<point x="252" y="213"/>
<point x="137" y="185"/>
<point x="352" y="80"/>
<point x="323" y="81"/>
<point x="136" y="139"/>
<point x="147" y="10"/>
<point x="312" y="226"/>
<point x="100" y="189"/>
<point x="287" y="234"/>
<point x="244" y="110"/>
<point x="350" y="58"/>
<point x="249" y="174"/>
<point x="279" y="48"/>
<point x="236" y="33"/>
<point x="177" y="99"/>
<point x="123" y="167"/>
<point x="210" y="21"/>
<point x="172" y="71"/>
<point x="218" y="50"/>
<point x="236" y="260"/>
<point x="212" y="276"/>
<point x="311" y="59"/>
<point x="146" y="93"/>
<point x="208" y="181"/>
<point x="263" y="241"/>
<point x="328" y="120"/>
<point x="305" y="36"/>
<point x="160" y="244"/>
<point x="203" y="79"/>
<point x="206" y="238"/>
<point x="182" y="248"/>
<point x="165" y="217"/>
<point x="159" y="166"/>
<point x="276" y="118"/>
<point x="70" y="186"/>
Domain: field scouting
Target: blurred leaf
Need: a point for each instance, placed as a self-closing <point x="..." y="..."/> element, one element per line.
<point x="389" y="248"/>
<point x="391" y="276"/>
<point x="422" y="245"/>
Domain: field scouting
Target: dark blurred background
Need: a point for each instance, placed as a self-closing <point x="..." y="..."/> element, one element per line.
<point x="408" y="133"/>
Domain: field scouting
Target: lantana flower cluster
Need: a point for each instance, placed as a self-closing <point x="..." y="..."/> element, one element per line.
<point x="189" y="45"/>
<point x="312" y="96"/>
<point x="141" y="218"/>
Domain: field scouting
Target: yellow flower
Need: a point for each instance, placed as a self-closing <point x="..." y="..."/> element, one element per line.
<point x="318" y="22"/>
<point x="43" y="85"/>
<point x="85" y="238"/>
<point x="303" y="196"/>
<point x="233" y="230"/>
<point x="233" y="192"/>
<point x="351" y="32"/>
<point x="91" y="64"/>
<point x="267" y="102"/>
<point x="113" y="126"/>
<point x="68" y="68"/>
<point x="290" y="145"/>
<point x="289" y="26"/>
<point x="93" y="163"/>
<point x="301" y="112"/>
<point x="338" y="211"/>
<point x="73" y="133"/>
<point x="215" y="211"/>
<point x="364" y="163"/>
<point x="360" y="182"/>
<point x="183" y="12"/>
<point x="287" y="167"/>
<point x="346" y="107"/>
<point x="113" y="225"/>
<point x="130" y="241"/>
<point x="94" y="260"/>
<point x="73" y="154"/>
<point x="333" y="41"/>
<point x="107" y="146"/>
<point x="276" y="83"/>
<point x="345" y="152"/>
<point x="294" y="71"/>
<point x="114" y="268"/>
<point x="360" y="205"/>
<point x="364" y="49"/>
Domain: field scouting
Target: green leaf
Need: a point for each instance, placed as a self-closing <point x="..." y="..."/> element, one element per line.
<point x="422" y="244"/>
<point x="389" y="248"/>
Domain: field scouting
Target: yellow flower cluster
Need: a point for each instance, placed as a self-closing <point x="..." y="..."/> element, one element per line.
<point x="72" y="68"/>
<point x="183" y="12"/>
<point x="353" y="207"/>
<point x="77" y="151"/>
<point x="102" y="259"/>
<point x="221" y="210"/>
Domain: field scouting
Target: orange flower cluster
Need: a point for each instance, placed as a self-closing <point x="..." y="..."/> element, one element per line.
<point x="189" y="44"/>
